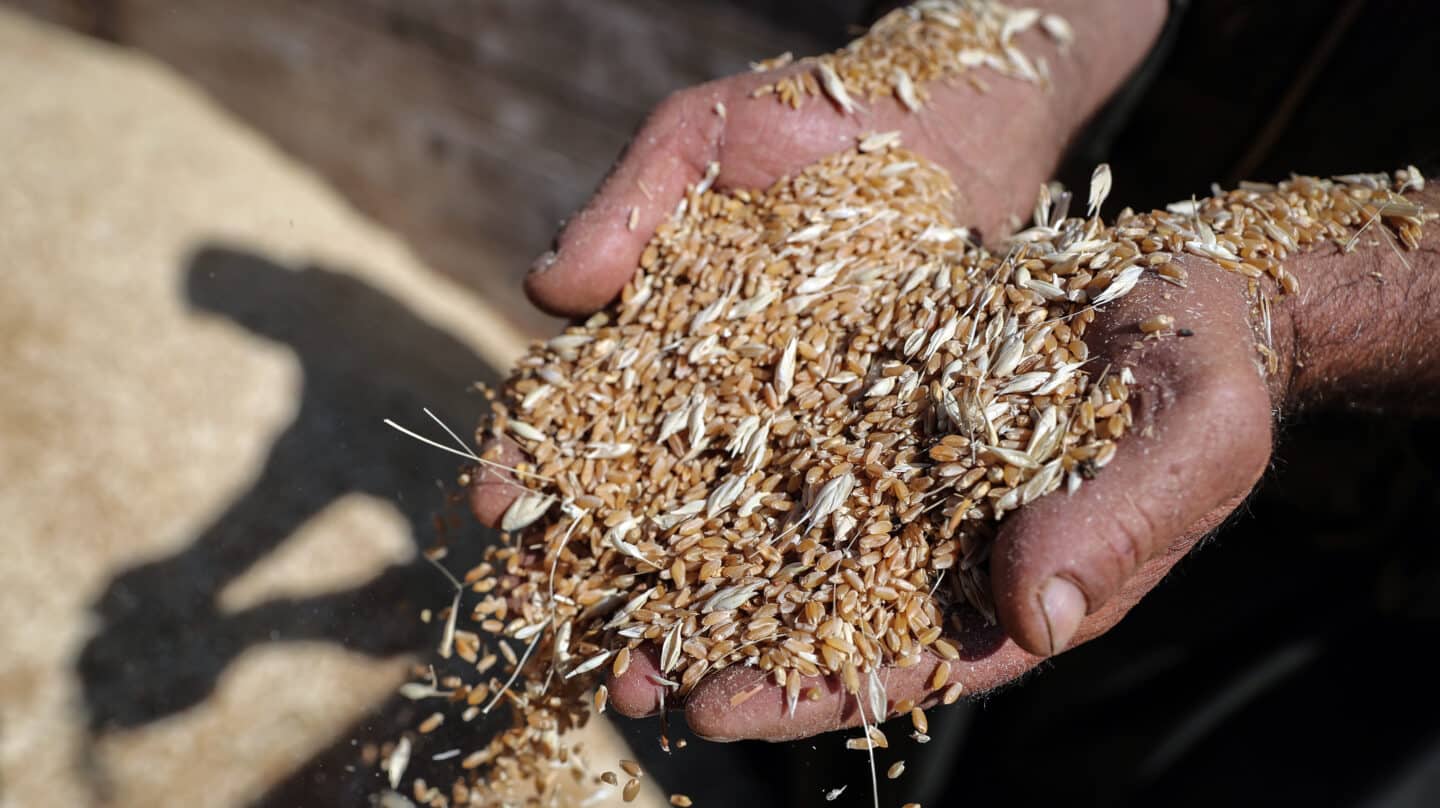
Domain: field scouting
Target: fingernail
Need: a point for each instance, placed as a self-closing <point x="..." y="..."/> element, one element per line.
<point x="544" y="262"/>
<point x="1064" y="606"/>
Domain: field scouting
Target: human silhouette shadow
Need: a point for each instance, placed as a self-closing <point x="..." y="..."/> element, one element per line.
<point x="162" y="640"/>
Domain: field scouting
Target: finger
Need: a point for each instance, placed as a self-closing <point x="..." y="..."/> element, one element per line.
<point x="598" y="250"/>
<point x="492" y="488"/>
<point x="1200" y="441"/>
<point x="635" y="694"/>
<point x="744" y="703"/>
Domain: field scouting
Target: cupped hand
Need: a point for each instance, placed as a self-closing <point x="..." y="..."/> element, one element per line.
<point x="1068" y="567"/>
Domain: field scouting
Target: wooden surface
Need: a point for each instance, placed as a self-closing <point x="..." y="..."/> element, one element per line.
<point x="470" y="128"/>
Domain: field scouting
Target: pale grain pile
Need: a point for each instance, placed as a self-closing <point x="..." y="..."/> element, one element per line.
<point x="789" y="443"/>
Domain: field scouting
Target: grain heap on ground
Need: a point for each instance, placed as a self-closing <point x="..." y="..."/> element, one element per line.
<point x="789" y="443"/>
<point x="928" y="41"/>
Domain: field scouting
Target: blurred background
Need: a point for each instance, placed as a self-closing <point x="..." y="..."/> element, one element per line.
<point x="235" y="236"/>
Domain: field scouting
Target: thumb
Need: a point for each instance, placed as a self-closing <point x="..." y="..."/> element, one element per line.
<point x="597" y="251"/>
<point x="1194" y="453"/>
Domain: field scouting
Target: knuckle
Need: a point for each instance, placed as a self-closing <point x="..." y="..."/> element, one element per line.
<point x="1239" y="408"/>
<point x="1133" y="534"/>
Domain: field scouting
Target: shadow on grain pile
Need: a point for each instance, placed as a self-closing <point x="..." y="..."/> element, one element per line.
<point x="162" y="641"/>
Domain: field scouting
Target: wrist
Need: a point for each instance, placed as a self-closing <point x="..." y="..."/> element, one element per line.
<point x="1360" y="330"/>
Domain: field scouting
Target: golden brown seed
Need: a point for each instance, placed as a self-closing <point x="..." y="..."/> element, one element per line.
<point x="631" y="790"/>
<point x="1288" y="282"/>
<point x="952" y="693"/>
<point x="1158" y="322"/>
<point x="940" y="676"/>
<point x="631" y="768"/>
<point x="609" y="778"/>
<point x="919" y="720"/>
<point x="621" y="663"/>
<point x="896" y="769"/>
<point x="680" y="801"/>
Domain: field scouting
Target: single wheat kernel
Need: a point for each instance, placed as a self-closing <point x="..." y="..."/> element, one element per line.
<point x="1158" y="322"/>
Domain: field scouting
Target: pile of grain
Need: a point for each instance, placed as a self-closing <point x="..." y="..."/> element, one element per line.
<point x="789" y="443"/>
